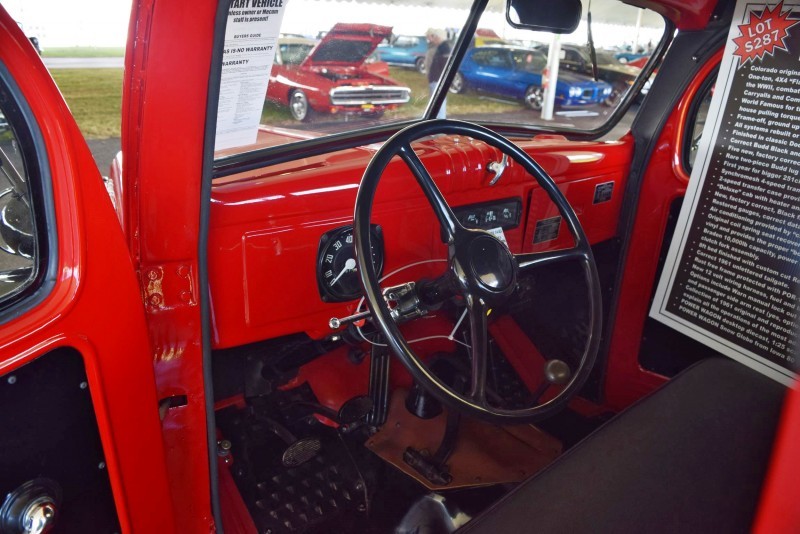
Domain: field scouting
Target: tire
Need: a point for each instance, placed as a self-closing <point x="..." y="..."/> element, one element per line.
<point x="534" y="97"/>
<point x="419" y="65"/>
<point x="459" y="84"/>
<point x="298" y="106"/>
<point x="613" y="99"/>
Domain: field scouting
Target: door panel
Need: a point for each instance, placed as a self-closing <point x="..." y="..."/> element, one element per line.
<point x="664" y="182"/>
<point x="88" y="303"/>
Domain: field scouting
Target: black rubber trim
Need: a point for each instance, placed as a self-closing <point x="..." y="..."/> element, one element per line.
<point x="37" y="170"/>
<point x="214" y="78"/>
<point x="691" y="117"/>
<point x="688" y="53"/>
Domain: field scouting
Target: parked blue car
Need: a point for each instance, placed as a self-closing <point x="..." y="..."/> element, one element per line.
<point x="406" y="51"/>
<point x="517" y="73"/>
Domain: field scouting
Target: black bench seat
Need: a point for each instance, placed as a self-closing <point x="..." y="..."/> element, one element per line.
<point x="691" y="457"/>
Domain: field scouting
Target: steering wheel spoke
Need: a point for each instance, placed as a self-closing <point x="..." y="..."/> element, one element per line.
<point x="531" y="260"/>
<point x="479" y="341"/>
<point x="446" y="217"/>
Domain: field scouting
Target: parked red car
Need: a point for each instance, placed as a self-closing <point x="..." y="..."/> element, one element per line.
<point x="334" y="76"/>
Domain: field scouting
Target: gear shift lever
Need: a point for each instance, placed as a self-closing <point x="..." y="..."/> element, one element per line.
<point x="556" y="373"/>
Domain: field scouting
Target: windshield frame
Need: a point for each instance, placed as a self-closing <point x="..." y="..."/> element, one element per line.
<point x="262" y="157"/>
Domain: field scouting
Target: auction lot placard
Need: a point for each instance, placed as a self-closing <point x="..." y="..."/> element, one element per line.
<point x="732" y="274"/>
<point x="251" y="37"/>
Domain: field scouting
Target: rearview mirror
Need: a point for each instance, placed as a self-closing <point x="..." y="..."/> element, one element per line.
<point x="562" y="16"/>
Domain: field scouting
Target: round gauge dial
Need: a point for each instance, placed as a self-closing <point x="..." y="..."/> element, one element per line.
<point x="337" y="272"/>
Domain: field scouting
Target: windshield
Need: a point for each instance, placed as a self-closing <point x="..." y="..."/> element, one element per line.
<point x="529" y="60"/>
<point x="341" y="67"/>
<point x="293" y="53"/>
<point x="342" y="51"/>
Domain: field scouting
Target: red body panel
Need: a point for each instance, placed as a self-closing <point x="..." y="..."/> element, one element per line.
<point x="664" y="181"/>
<point x="94" y="306"/>
<point x="162" y="171"/>
<point x="639" y="63"/>
<point x="266" y="225"/>
<point x="686" y="15"/>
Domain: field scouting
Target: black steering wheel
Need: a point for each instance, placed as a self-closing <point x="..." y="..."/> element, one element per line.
<point x="481" y="269"/>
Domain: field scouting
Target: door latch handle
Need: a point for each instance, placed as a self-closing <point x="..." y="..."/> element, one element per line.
<point x="498" y="168"/>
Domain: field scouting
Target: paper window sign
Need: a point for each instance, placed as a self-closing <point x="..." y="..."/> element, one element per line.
<point x="251" y="39"/>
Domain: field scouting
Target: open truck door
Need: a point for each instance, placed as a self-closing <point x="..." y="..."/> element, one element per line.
<point x="79" y="417"/>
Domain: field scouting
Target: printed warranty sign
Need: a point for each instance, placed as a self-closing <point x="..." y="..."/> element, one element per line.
<point x="251" y="38"/>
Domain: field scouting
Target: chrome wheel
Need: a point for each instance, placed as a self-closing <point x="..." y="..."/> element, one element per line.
<point x="534" y="96"/>
<point x="298" y="105"/>
<point x="458" y="85"/>
<point x="420" y="65"/>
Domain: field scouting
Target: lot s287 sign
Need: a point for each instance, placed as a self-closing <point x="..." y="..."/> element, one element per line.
<point x="732" y="274"/>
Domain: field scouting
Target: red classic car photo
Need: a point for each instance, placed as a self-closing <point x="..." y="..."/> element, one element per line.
<point x="332" y="77"/>
<point x="506" y="320"/>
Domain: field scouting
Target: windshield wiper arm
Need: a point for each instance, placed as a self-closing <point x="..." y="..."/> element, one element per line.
<point x="592" y="51"/>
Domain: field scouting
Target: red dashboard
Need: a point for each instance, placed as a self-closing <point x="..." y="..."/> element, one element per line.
<point x="266" y="224"/>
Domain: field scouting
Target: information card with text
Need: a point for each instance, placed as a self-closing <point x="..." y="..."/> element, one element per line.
<point x="251" y="38"/>
<point x="732" y="274"/>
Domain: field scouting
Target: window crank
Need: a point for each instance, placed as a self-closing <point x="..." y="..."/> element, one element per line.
<point x="498" y="168"/>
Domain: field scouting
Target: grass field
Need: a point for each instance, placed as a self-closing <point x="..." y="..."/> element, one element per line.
<point x="84" y="51"/>
<point x="95" y="98"/>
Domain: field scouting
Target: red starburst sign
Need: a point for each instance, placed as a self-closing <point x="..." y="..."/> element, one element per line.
<point x="763" y="34"/>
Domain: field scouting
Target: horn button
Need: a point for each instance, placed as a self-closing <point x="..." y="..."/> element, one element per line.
<point x="492" y="266"/>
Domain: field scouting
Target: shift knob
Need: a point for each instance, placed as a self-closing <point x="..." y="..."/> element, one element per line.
<point x="557" y="372"/>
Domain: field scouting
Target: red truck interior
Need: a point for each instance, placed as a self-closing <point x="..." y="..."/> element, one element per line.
<point x="222" y="398"/>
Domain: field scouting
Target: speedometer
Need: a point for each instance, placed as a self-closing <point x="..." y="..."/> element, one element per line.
<point x="337" y="274"/>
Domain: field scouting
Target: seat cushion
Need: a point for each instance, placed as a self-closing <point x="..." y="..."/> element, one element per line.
<point x="690" y="457"/>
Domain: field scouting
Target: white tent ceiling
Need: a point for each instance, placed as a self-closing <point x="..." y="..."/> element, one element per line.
<point x="603" y="12"/>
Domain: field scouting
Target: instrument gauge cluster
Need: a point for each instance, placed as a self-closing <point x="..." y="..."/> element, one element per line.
<point x="337" y="273"/>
